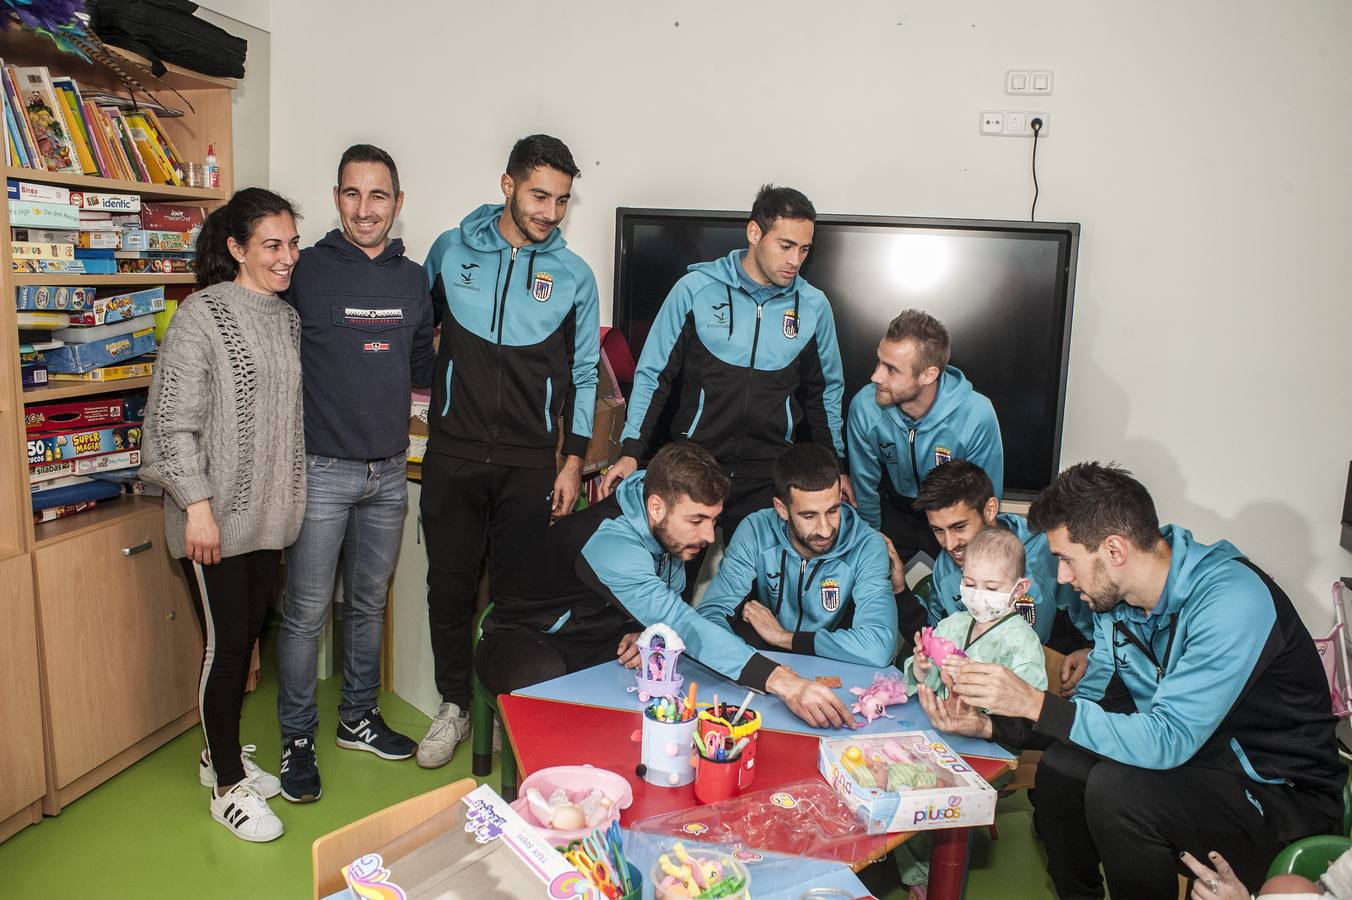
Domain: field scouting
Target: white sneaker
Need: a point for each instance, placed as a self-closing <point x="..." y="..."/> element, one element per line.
<point x="266" y="785"/>
<point x="450" y="727"/>
<point x="244" y="811"/>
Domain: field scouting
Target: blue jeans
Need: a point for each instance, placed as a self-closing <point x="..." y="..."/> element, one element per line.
<point x="356" y="510"/>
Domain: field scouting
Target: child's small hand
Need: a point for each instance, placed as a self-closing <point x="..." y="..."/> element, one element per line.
<point x="920" y="663"/>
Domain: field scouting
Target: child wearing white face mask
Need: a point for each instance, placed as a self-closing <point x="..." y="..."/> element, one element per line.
<point x="990" y="630"/>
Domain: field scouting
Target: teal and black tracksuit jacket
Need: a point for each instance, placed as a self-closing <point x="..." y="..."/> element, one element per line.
<point x="623" y="564"/>
<point x="754" y="362"/>
<point x="891" y="453"/>
<point x="1044" y="596"/>
<point x="1221" y="673"/>
<point x="838" y="605"/>
<point x="520" y="340"/>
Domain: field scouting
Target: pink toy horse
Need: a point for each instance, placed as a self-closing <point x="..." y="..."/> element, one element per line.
<point x="938" y="649"/>
<point x="874" y="699"/>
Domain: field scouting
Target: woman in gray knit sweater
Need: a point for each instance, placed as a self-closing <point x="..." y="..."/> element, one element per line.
<point x="223" y="435"/>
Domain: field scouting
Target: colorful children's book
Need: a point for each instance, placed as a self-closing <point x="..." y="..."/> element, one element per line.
<point x="50" y="130"/>
<point x="68" y="95"/>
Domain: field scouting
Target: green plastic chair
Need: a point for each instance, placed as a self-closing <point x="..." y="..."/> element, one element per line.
<point x="483" y="709"/>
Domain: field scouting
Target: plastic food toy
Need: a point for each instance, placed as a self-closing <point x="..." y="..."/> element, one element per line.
<point x="659" y="649"/>
<point x="938" y="649"/>
<point x="874" y="699"/>
<point x="565" y="814"/>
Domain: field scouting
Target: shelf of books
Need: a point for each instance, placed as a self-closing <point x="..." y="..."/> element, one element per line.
<point x="100" y="230"/>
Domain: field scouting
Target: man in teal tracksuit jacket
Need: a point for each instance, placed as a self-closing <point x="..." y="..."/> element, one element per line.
<point x="1203" y="722"/>
<point x="916" y="413"/>
<point x="520" y="341"/>
<point x="808" y="575"/>
<point x="959" y="501"/>
<point x="753" y="347"/>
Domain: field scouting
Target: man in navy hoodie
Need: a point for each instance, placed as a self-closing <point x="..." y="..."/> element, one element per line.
<point x="520" y="340"/>
<point x="916" y="413"/>
<point x="753" y="347"/>
<point x="1202" y="723"/>
<point x="366" y="336"/>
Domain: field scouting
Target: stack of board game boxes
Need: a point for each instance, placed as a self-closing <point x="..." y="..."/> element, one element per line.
<point x="82" y="451"/>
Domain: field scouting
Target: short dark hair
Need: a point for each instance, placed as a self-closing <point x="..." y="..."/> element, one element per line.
<point x="808" y="467"/>
<point x="953" y="482"/>
<point x="930" y="336"/>
<point x="1094" y="500"/>
<point x="537" y="150"/>
<point x="686" y="469"/>
<point x="369" y="153"/>
<point x="780" y="203"/>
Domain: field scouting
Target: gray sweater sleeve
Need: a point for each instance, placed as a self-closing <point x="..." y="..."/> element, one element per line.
<point x="176" y="413"/>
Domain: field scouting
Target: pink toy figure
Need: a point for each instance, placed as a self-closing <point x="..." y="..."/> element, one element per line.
<point x="874" y="699"/>
<point x="659" y="649"/>
<point x="938" y="649"/>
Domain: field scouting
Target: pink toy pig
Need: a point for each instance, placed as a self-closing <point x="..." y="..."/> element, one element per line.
<point x="874" y="699"/>
<point x="938" y="649"/>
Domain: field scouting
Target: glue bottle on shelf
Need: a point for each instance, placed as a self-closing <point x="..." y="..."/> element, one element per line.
<point x="213" y="170"/>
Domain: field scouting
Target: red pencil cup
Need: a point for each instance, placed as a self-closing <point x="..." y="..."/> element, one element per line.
<point x="716" y="781"/>
<point x="715" y="729"/>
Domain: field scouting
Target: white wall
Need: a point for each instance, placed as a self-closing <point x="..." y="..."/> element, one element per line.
<point x="1204" y="147"/>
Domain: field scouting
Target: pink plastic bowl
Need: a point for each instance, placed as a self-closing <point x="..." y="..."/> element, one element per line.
<point x="578" y="781"/>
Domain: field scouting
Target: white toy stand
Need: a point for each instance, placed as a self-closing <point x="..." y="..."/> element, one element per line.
<point x="659" y="649"/>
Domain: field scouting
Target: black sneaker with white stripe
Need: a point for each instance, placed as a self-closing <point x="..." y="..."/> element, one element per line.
<point x="300" y="772"/>
<point x="370" y="733"/>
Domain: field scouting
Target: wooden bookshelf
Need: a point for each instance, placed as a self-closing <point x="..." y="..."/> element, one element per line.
<point x="95" y="184"/>
<point x="103" y="578"/>
<point x="146" y="279"/>
<point x="62" y="390"/>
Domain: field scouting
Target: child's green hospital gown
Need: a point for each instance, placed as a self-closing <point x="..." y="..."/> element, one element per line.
<point x="1011" y="643"/>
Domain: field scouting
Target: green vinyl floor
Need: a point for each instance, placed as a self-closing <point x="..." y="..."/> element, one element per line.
<point x="147" y="833"/>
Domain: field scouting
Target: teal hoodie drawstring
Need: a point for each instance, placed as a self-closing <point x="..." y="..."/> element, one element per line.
<point x="729" y="290"/>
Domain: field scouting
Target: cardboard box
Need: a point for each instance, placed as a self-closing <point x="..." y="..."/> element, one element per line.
<point x="959" y="798"/>
<point x="143" y="369"/>
<point x="35" y="214"/>
<point x="71" y="444"/>
<point x="53" y="297"/>
<point x="171" y="217"/>
<point x="99" y="240"/>
<point x="121" y="203"/>
<point x="40" y="418"/>
<point x="158" y="265"/>
<point x="55" y="267"/>
<point x="80" y="358"/>
<point x="44" y="235"/>
<point x="178" y="241"/>
<point x="34" y="250"/>
<point x="33" y="372"/>
<point x="476" y="846"/>
<point x="40" y="193"/>
<point x="607" y="423"/>
<point x="120" y="307"/>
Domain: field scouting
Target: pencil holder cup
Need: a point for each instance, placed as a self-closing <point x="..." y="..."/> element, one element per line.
<point x="716" y="780"/>
<point x="715" y="727"/>
<point x="667" y="751"/>
<point x="636" y="884"/>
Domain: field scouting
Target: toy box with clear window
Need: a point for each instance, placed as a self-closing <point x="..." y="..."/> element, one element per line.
<point x="905" y="781"/>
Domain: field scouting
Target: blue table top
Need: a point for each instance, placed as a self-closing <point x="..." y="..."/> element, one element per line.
<point x="608" y="685"/>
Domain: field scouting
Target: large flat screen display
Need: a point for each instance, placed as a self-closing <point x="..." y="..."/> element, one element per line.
<point x="1004" y="289"/>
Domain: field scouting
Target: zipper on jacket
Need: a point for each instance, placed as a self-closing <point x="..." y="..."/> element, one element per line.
<point x="1159" y="664"/>
<point x="802" y="586"/>
<point x="502" y="315"/>
<point x="699" y="411"/>
<point x="750" y="376"/>
<point x="915" y="469"/>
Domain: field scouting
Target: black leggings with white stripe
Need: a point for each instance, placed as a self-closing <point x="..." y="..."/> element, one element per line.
<point x="232" y="599"/>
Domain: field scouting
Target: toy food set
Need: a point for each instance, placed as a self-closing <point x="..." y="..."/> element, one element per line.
<point x="765" y="828"/>
<point x="725" y="748"/>
<point x="564" y="803"/>
<point x="668" y="740"/>
<point x="81" y="358"/>
<point x="40" y="418"/>
<point x="700" y="873"/>
<point x="70" y="444"/>
<point x="53" y="297"/>
<point x="659" y="650"/>
<point x="119" y="307"/>
<point x="905" y="781"/>
<point x="476" y="849"/>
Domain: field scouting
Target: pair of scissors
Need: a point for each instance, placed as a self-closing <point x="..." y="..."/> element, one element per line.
<point x="595" y="846"/>
<point x="594" y="870"/>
